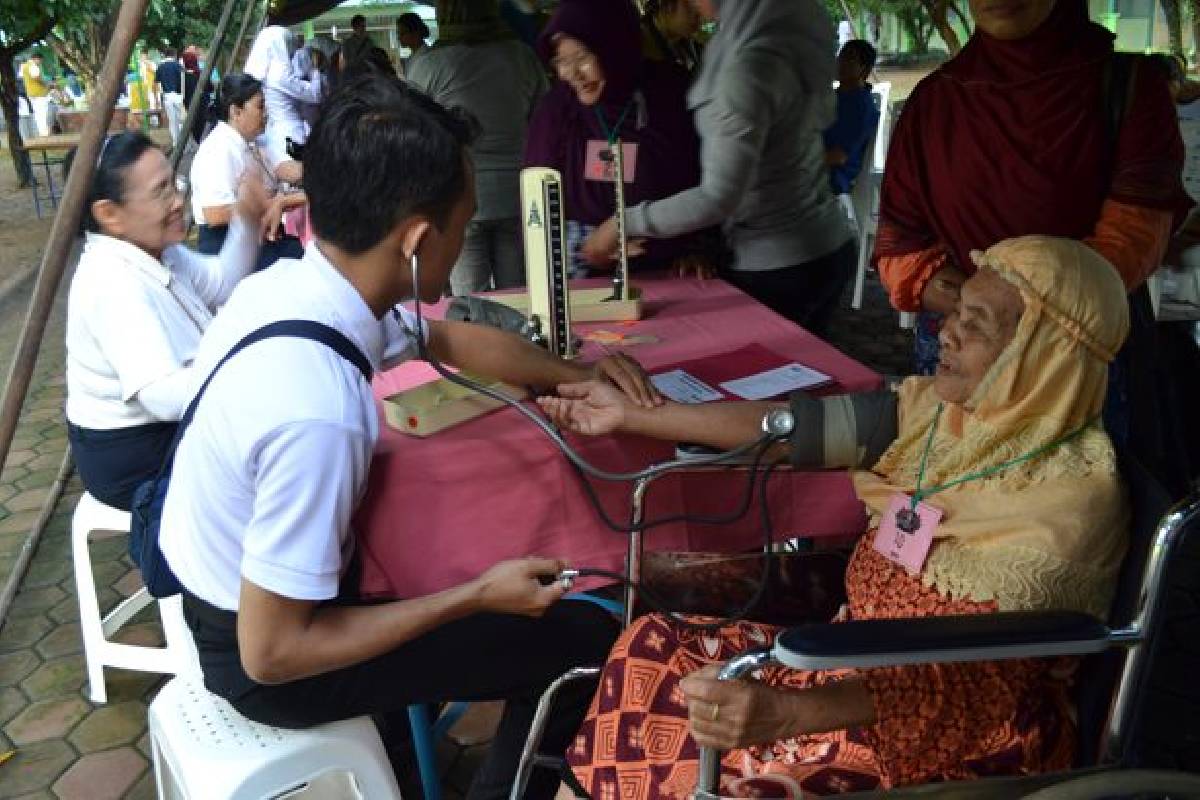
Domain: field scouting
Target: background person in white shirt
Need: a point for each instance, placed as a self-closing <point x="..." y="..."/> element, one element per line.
<point x="225" y="156"/>
<point x="137" y="306"/>
<point x="257" y="520"/>
<point x="286" y="93"/>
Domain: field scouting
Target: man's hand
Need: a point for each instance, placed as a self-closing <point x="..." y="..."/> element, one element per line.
<point x="630" y="377"/>
<point x="941" y="293"/>
<point x="592" y="408"/>
<point x="512" y="587"/>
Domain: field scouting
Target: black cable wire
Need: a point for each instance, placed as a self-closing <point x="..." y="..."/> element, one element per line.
<point x="689" y="519"/>
<point x="582" y="468"/>
<point x="661" y="606"/>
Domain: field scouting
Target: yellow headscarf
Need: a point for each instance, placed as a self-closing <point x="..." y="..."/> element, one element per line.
<point x="1048" y="533"/>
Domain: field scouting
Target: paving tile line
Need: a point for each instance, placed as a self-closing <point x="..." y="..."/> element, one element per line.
<point x="9" y="592"/>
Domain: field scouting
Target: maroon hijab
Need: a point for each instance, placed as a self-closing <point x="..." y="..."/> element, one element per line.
<point x="1010" y="138"/>
<point x="658" y="120"/>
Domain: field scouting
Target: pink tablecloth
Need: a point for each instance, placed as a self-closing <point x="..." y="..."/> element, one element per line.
<point x="438" y="511"/>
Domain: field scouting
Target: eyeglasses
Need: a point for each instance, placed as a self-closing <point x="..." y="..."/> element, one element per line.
<point x="583" y="63"/>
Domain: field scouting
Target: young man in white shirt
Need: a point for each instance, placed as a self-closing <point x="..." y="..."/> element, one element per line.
<point x="257" y="520"/>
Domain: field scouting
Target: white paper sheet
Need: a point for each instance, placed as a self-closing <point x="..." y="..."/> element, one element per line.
<point x="775" y="382"/>
<point x="683" y="387"/>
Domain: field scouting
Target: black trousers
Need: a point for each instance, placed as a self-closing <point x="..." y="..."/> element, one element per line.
<point x="113" y="464"/>
<point x="808" y="293"/>
<point x="211" y="238"/>
<point x="484" y="657"/>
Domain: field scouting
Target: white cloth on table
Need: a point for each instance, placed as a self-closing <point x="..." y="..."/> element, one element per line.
<point x="283" y="436"/>
<point x="133" y="320"/>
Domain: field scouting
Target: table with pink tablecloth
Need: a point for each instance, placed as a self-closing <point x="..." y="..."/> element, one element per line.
<point x="439" y="511"/>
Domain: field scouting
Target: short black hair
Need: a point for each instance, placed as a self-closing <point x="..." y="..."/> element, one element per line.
<point x="168" y="52"/>
<point x="236" y="90"/>
<point x="119" y="153"/>
<point x="375" y="61"/>
<point x="413" y="23"/>
<point x="863" y="51"/>
<point x="358" y="21"/>
<point x="382" y="152"/>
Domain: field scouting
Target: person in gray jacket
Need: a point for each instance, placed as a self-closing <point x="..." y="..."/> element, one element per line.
<point x="478" y="64"/>
<point x="763" y="96"/>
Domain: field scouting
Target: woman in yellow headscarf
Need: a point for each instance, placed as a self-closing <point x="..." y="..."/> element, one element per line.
<point x="997" y="489"/>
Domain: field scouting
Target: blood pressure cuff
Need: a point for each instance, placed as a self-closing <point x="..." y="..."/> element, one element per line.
<point x="488" y="312"/>
<point x="848" y="431"/>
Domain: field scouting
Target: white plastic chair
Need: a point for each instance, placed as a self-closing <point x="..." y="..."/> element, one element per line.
<point x="865" y="195"/>
<point x="203" y="748"/>
<point x="93" y="517"/>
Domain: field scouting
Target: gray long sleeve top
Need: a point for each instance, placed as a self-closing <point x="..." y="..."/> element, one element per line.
<point x="764" y="173"/>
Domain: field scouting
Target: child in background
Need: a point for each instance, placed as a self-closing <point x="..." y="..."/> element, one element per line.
<point x="846" y="140"/>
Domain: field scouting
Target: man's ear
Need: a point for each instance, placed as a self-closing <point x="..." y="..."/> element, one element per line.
<point x="413" y="236"/>
<point x="107" y="214"/>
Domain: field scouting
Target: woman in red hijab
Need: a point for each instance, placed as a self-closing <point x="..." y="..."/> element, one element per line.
<point x="1010" y="138"/>
<point x="1015" y="136"/>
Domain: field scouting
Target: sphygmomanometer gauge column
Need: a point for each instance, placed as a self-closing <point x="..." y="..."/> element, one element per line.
<point x="545" y="258"/>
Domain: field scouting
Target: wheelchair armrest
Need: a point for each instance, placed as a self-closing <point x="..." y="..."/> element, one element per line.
<point x="865" y="644"/>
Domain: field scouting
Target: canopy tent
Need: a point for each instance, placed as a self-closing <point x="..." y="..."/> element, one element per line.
<point x="293" y="12"/>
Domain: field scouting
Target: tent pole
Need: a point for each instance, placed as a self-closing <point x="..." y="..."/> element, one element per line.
<point x="202" y="86"/>
<point x="66" y="221"/>
<point x="241" y="37"/>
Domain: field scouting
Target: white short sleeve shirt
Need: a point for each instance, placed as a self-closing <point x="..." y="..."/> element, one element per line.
<point x="268" y="475"/>
<point x="132" y="320"/>
<point x="217" y="169"/>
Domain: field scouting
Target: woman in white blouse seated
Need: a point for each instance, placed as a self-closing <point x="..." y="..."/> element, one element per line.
<point x="137" y="307"/>
<point x="225" y="156"/>
<point x="286" y="94"/>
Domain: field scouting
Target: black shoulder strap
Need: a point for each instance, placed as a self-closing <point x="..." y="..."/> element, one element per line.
<point x="1119" y="74"/>
<point x="295" y="328"/>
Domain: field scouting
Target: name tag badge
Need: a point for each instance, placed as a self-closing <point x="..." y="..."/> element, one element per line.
<point x="601" y="166"/>
<point x="905" y="536"/>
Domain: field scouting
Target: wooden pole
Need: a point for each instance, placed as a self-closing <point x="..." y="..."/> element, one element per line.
<point x="66" y="222"/>
<point x="214" y="50"/>
<point x="241" y="37"/>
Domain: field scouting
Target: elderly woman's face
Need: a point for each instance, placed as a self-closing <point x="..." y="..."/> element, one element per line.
<point x="973" y="337"/>
<point x="1010" y="19"/>
<point x="578" y="66"/>
<point x="150" y="215"/>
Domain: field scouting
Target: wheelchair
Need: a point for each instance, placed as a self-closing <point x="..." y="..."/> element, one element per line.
<point x="1126" y="716"/>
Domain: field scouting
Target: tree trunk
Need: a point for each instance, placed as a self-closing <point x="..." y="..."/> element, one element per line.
<point x="1173" y="12"/>
<point x="12" y="117"/>
<point x="938" y="16"/>
<point x="1195" y="37"/>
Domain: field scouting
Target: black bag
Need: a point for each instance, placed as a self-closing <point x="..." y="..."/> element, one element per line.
<point x="148" y="500"/>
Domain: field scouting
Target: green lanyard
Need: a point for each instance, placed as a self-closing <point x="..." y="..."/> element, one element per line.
<point x="611" y="133"/>
<point x="920" y="494"/>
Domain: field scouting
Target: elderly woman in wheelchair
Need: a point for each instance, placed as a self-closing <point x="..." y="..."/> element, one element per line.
<point x="990" y="487"/>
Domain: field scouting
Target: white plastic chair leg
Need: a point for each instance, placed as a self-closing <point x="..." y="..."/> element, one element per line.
<point x="860" y="275"/>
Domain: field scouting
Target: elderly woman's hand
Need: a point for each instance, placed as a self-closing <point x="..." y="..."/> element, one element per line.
<point x="731" y="714"/>
<point x="253" y="198"/>
<point x="740" y="713"/>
